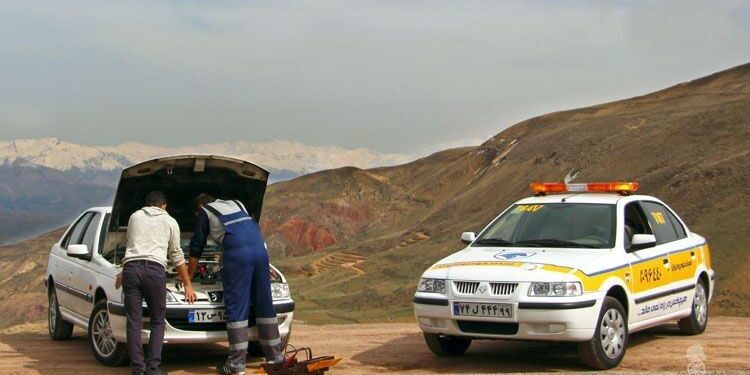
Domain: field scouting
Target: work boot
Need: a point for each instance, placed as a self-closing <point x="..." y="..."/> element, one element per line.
<point x="224" y="369"/>
<point x="156" y="372"/>
<point x="138" y="372"/>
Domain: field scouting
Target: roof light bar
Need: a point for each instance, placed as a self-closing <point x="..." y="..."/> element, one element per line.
<point x="544" y="188"/>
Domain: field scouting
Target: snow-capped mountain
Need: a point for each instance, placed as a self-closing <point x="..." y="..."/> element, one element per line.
<point x="290" y="156"/>
<point x="45" y="182"/>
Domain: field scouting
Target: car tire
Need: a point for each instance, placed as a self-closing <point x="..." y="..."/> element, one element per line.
<point x="607" y="348"/>
<point x="697" y="321"/>
<point x="255" y="350"/>
<point x="58" y="328"/>
<point x="446" y="346"/>
<point x="101" y="341"/>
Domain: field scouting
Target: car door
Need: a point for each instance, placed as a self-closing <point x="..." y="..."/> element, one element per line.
<point x="650" y="264"/>
<point x="69" y="294"/>
<point x="83" y="277"/>
<point x="683" y="257"/>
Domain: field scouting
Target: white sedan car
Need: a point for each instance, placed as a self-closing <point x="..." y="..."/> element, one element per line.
<point x="588" y="263"/>
<point x="82" y="266"/>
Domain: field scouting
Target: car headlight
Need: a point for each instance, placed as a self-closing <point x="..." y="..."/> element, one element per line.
<point x="431" y="286"/>
<point x="276" y="277"/>
<point x="569" y="289"/>
<point x="280" y="290"/>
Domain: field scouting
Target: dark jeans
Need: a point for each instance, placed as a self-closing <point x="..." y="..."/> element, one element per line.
<point x="144" y="280"/>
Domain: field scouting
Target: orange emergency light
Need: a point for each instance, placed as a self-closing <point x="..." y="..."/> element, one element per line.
<point x="544" y="188"/>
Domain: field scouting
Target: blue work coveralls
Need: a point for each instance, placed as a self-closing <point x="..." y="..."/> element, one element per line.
<point x="245" y="276"/>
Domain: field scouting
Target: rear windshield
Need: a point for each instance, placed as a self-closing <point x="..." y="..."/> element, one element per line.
<point x="576" y="225"/>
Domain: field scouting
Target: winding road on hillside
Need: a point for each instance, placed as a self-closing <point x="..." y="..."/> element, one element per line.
<point x="398" y="348"/>
<point x="331" y="261"/>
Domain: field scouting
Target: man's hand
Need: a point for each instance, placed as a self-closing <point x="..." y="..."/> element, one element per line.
<point x="118" y="280"/>
<point x="189" y="292"/>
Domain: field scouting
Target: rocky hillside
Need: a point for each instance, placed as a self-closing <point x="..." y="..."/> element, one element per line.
<point x="22" y="269"/>
<point x="688" y="144"/>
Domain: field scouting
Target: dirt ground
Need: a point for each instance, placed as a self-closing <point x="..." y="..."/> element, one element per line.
<point x="398" y="348"/>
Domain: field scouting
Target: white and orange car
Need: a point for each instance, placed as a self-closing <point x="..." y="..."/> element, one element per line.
<point x="589" y="263"/>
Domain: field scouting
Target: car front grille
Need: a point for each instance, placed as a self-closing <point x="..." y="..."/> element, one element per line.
<point x="496" y="289"/>
<point x="466" y="287"/>
<point x="490" y="328"/>
<point x="503" y="289"/>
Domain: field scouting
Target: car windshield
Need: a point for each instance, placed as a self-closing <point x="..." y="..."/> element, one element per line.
<point x="576" y="225"/>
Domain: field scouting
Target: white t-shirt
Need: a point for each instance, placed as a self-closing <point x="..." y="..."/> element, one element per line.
<point x="153" y="235"/>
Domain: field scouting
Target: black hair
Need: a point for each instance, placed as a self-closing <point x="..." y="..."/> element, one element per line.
<point x="156" y="198"/>
<point x="201" y="200"/>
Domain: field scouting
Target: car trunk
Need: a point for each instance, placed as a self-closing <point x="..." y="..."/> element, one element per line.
<point x="182" y="178"/>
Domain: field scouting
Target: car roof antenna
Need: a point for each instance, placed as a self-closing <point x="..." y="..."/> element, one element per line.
<point x="569" y="178"/>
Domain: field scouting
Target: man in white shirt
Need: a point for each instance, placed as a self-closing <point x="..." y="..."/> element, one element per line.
<point x="153" y="237"/>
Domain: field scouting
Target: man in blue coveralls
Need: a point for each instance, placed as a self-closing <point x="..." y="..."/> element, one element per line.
<point x="245" y="276"/>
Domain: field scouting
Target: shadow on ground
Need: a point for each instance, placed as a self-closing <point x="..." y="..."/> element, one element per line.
<point x="368" y="349"/>
<point x="74" y="356"/>
<point x="409" y="352"/>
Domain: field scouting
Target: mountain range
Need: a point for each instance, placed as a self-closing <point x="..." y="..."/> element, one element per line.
<point x="353" y="242"/>
<point x="45" y="182"/>
<point x="277" y="156"/>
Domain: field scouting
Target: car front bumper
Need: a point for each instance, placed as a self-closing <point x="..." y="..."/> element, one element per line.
<point x="550" y="320"/>
<point x="177" y="330"/>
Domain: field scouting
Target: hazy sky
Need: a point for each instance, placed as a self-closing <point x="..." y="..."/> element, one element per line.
<point x="394" y="76"/>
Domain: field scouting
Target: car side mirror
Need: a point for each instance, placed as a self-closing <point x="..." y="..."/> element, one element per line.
<point x="642" y="241"/>
<point x="78" y="251"/>
<point x="468" y="237"/>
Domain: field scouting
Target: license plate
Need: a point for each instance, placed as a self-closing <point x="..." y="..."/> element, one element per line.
<point x="207" y="316"/>
<point x="494" y="310"/>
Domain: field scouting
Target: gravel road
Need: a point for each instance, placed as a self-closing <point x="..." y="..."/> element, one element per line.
<point x="399" y="349"/>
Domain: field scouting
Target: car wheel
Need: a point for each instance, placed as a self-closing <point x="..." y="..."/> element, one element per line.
<point x="698" y="320"/>
<point x="101" y="340"/>
<point x="59" y="329"/>
<point x="446" y="346"/>
<point x="255" y="350"/>
<point x="607" y="348"/>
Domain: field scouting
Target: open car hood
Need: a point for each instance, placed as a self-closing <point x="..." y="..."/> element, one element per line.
<point x="182" y="178"/>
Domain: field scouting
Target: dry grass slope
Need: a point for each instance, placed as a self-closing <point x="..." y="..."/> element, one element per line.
<point x="688" y="144"/>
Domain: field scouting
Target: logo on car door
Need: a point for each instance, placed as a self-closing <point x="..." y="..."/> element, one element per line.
<point x="511" y="256"/>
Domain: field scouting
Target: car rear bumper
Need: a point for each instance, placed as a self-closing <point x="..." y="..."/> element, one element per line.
<point x="547" y="321"/>
<point x="178" y="330"/>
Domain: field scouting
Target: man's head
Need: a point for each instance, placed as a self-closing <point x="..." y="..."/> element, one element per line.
<point x="156" y="199"/>
<point x="201" y="201"/>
